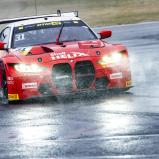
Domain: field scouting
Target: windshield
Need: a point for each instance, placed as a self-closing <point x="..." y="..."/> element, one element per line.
<point x="45" y="33"/>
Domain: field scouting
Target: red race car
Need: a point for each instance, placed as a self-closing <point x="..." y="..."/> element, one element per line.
<point x="58" y="54"/>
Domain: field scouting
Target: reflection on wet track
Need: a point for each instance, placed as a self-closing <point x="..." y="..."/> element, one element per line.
<point x="109" y="126"/>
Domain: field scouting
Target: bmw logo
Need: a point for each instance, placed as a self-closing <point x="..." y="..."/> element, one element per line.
<point x="71" y="61"/>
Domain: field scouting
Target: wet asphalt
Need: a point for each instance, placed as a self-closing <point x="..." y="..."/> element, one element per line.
<point x="120" y="126"/>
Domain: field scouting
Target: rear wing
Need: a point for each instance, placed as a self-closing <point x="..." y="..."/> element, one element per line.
<point x="58" y="14"/>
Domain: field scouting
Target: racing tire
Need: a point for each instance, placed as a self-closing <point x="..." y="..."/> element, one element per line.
<point x="4" y="90"/>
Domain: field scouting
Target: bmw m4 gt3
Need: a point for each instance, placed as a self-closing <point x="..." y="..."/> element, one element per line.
<point x="58" y="54"/>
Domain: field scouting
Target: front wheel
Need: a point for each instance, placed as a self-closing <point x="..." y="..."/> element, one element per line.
<point x="4" y="89"/>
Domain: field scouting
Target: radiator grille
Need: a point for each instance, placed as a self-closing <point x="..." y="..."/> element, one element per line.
<point x="62" y="76"/>
<point x="84" y="74"/>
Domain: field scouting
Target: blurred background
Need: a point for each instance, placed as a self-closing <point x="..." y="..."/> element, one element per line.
<point x="96" y="13"/>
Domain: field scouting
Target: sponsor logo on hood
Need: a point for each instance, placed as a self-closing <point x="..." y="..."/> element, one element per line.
<point x="70" y="55"/>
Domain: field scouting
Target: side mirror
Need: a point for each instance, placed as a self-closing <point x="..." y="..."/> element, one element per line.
<point x="2" y="45"/>
<point x="105" y="34"/>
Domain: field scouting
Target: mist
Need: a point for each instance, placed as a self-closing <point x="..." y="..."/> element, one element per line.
<point x="142" y="45"/>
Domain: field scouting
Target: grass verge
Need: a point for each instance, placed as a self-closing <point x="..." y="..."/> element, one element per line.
<point x="96" y="13"/>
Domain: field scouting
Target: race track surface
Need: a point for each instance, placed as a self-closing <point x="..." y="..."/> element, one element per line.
<point x="109" y="126"/>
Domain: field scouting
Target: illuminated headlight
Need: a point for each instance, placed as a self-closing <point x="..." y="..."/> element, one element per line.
<point x="114" y="58"/>
<point x="33" y="68"/>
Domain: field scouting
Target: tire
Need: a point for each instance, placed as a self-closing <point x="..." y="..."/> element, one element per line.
<point x="4" y="89"/>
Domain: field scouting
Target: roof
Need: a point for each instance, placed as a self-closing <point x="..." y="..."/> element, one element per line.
<point x="40" y="19"/>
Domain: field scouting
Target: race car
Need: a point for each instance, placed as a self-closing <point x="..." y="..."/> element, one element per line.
<point x="58" y="54"/>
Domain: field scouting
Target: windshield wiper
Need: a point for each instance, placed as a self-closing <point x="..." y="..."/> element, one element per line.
<point x="59" y="35"/>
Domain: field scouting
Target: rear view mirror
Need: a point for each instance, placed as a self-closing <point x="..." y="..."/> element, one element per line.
<point x="105" y="34"/>
<point x="2" y="45"/>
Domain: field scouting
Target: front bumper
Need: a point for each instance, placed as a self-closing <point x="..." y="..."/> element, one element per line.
<point x="80" y="76"/>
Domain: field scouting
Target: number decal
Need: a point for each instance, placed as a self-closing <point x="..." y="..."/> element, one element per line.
<point x="19" y="37"/>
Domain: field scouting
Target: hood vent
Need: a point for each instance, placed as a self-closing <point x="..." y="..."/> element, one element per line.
<point x="40" y="50"/>
<point x="91" y="44"/>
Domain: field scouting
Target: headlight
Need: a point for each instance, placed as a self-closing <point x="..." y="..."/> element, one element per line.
<point x="33" y="68"/>
<point x="112" y="59"/>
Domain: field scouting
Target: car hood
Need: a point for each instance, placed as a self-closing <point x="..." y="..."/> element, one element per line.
<point x="68" y="50"/>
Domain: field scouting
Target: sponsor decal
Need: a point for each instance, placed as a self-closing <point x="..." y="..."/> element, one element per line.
<point x="12" y="97"/>
<point x="10" y="78"/>
<point x="116" y="75"/>
<point x="62" y="77"/>
<point x="128" y="83"/>
<point x="64" y="55"/>
<point x="23" y="50"/>
<point x="29" y="85"/>
<point x="10" y="82"/>
<point x="21" y="28"/>
<point x="48" y="24"/>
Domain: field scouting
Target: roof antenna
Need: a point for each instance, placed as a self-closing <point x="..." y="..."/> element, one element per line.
<point x="59" y="12"/>
<point x="36" y="9"/>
